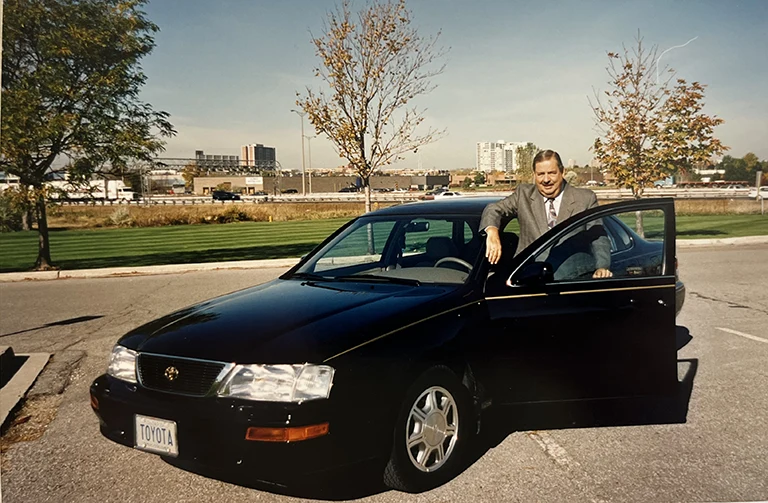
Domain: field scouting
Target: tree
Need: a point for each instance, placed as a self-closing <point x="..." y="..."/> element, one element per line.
<point x="479" y="178"/>
<point x="752" y="162"/>
<point x="466" y="182"/>
<point x="524" y="160"/>
<point x="188" y="173"/>
<point x="71" y="81"/>
<point x="736" y="170"/>
<point x="647" y="130"/>
<point x="374" y="65"/>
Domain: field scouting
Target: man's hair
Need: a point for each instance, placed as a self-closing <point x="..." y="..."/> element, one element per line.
<point x="545" y="155"/>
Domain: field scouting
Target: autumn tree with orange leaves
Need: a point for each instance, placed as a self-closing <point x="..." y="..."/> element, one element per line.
<point x="375" y="63"/>
<point x="649" y="127"/>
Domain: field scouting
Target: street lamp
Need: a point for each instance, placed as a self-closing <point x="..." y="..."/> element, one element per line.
<point x="303" y="168"/>
<point x="309" y="154"/>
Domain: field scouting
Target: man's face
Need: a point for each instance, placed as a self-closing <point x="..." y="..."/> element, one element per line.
<point x="548" y="178"/>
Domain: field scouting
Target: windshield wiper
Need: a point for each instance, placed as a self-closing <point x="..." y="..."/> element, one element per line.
<point x="311" y="276"/>
<point x="380" y="279"/>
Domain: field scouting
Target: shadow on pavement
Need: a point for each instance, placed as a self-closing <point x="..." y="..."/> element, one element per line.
<point x="61" y="323"/>
<point x="341" y="484"/>
<point x="672" y="409"/>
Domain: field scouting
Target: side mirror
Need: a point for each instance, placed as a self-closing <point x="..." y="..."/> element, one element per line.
<point x="534" y="273"/>
<point x="417" y="227"/>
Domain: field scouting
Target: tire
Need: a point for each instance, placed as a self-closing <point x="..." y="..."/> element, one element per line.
<point x="439" y="436"/>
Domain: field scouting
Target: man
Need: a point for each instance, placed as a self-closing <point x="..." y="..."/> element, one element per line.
<point x="539" y="207"/>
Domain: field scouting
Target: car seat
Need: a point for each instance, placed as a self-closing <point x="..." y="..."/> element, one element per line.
<point x="438" y="247"/>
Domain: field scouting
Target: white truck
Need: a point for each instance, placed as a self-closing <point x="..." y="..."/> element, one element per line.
<point x="100" y="190"/>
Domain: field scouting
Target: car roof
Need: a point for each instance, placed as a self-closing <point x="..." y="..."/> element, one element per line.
<point x="467" y="205"/>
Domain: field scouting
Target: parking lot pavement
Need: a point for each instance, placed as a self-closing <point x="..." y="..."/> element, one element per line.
<point x="716" y="454"/>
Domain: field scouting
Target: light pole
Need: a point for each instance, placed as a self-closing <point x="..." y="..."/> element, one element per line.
<point x="303" y="168"/>
<point x="309" y="154"/>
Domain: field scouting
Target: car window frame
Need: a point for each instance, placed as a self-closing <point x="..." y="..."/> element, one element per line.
<point x="665" y="204"/>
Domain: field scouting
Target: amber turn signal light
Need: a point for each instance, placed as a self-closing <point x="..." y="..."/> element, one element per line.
<point x="94" y="402"/>
<point x="293" y="434"/>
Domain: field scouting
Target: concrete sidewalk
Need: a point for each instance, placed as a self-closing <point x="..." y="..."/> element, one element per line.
<point x="283" y="263"/>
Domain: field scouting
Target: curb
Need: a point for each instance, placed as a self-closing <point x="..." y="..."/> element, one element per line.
<point x="146" y="270"/>
<point x="12" y="393"/>
<point x="747" y="240"/>
<point x="283" y="263"/>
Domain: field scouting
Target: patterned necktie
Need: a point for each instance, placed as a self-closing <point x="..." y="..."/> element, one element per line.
<point x="551" y="213"/>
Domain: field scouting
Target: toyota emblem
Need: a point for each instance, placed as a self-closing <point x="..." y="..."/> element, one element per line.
<point x="171" y="373"/>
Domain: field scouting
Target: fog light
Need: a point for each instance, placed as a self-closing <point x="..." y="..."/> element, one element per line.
<point x="293" y="434"/>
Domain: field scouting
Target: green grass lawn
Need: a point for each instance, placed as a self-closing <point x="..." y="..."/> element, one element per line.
<point x="87" y="249"/>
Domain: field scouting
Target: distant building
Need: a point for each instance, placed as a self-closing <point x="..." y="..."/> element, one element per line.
<point x="257" y="156"/>
<point x="216" y="162"/>
<point x="497" y="156"/>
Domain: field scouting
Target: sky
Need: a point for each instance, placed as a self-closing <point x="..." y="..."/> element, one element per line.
<point x="228" y="71"/>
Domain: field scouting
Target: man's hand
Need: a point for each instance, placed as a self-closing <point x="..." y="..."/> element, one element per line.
<point x="602" y="273"/>
<point x="492" y="245"/>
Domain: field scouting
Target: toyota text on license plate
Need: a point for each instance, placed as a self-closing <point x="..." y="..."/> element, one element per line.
<point x="156" y="435"/>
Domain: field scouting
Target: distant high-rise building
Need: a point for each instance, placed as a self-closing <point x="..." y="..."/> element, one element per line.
<point x="216" y="162"/>
<point x="497" y="156"/>
<point x="258" y="156"/>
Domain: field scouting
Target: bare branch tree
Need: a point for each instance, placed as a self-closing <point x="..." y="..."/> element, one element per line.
<point x="648" y="130"/>
<point x="374" y="66"/>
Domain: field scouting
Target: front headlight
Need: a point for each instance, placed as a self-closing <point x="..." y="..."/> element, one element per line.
<point x="122" y="364"/>
<point x="279" y="383"/>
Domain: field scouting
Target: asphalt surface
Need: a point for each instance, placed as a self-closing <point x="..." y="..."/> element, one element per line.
<point x="719" y="452"/>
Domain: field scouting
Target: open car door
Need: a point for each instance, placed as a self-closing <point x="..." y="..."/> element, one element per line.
<point x="559" y="333"/>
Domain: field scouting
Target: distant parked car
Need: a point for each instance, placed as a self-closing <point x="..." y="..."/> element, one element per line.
<point x="349" y="189"/>
<point x="448" y="193"/>
<point x="763" y="192"/>
<point x="290" y="191"/>
<point x="224" y="195"/>
<point x="259" y="193"/>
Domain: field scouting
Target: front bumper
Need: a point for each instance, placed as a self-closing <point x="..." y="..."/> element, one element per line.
<point x="679" y="296"/>
<point x="211" y="430"/>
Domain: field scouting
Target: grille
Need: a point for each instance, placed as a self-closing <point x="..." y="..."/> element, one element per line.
<point x="192" y="377"/>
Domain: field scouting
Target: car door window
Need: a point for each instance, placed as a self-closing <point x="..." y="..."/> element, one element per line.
<point x="645" y="258"/>
<point x="629" y="244"/>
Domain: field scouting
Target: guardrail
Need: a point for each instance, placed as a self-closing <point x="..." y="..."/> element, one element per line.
<point x="401" y="197"/>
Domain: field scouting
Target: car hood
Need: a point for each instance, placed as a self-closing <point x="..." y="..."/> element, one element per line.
<point x="287" y="321"/>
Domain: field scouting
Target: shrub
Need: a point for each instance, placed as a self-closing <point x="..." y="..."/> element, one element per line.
<point x="121" y="217"/>
<point x="15" y="207"/>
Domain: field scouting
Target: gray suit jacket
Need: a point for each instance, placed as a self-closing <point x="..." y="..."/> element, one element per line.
<point x="527" y="205"/>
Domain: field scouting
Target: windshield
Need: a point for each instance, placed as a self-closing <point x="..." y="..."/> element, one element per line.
<point x="417" y="249"/>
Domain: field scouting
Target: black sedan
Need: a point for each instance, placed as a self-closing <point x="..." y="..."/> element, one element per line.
<point x="390" y="337"/>
<point x="225" y="195"/>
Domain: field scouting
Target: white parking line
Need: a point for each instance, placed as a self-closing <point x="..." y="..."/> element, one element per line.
<point x="742" y="334"/>
<point x="560" y="456"/>
<point x="553" y="449"/>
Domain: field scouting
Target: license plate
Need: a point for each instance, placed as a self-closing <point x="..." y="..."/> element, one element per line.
<point x="156" y="435"/>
